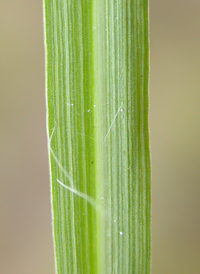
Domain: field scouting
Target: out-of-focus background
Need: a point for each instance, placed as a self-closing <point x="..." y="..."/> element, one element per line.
<point x="25" y="219"/>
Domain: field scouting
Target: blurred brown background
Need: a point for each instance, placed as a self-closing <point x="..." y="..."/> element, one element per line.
<point x="25" y="219"/>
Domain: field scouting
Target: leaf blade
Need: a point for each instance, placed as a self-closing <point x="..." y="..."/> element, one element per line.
<point x="97" y="105"/>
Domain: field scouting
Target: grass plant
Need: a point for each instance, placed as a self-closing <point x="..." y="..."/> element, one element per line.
<point x="97" y="77"/>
